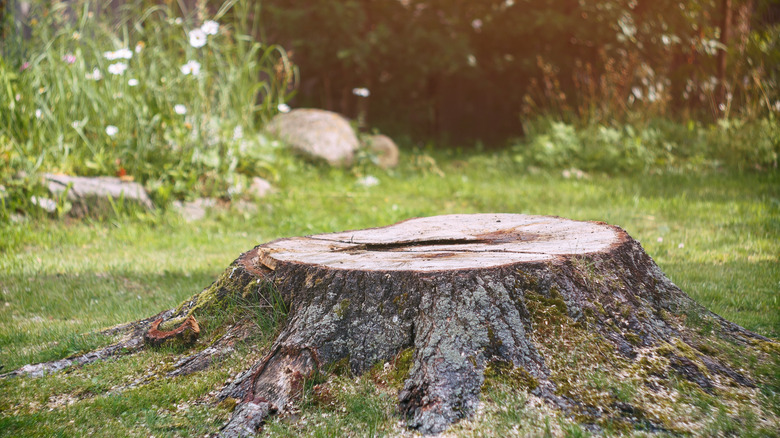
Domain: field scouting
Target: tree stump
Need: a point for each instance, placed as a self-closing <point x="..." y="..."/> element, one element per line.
<point x="468" y="293"/>
<point x="535" y="301"/>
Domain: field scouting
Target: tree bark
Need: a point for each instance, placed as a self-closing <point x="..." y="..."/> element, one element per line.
<point x="461" y="291"/>
<point x="532" y="300"/>
<point x="725" y="34"/>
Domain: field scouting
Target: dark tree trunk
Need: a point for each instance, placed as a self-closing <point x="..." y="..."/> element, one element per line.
<point x="725" y="32"/>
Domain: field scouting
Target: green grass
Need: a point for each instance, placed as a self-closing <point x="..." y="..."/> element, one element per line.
<point x="60" y="279"/>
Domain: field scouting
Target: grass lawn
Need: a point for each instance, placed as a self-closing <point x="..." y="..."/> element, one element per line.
<point x="716" y="235"/>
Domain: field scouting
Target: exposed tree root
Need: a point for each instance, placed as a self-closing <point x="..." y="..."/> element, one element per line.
<point x="132" y="341"/>
<point x="219" y="349"/>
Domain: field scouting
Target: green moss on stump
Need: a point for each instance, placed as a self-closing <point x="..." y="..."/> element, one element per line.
<point x="504" y="372"/>
<point x="401" y="365"/>
<point x="342" y="307"/>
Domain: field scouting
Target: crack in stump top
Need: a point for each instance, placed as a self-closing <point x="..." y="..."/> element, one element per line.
<point x="440" y="243"/>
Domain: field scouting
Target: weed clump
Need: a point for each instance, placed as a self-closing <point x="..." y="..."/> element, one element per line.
<point x="166" y="98"/>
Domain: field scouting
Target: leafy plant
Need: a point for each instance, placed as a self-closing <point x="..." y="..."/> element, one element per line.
<point x="169" y="100"/>
<point x="659" y="144"/>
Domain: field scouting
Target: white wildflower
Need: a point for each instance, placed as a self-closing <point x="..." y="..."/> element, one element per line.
<point x="123" y="53"/>
<point x="132" y="82"/>
<point x="283" y="108"/>
<point x="139" y="46"/>
<point x="368" y="181"/>
<point x="180" y="109"/>
<point x="238" y="133"/>
<point x="477" y="25"/>
<point x="38" y="114"/>
<point x="95" y="75"/>
<point x="660" y="239"/>
<point x="191" y="68"/>
<point x="235" y="190"/>
<point x="681" y="245"/>
<point x="117" y="68"/>
<point x="111" y="130"/>
<point x="210" y="27"/>
<point x="362" y="92"/>
<point x="197" y="38"/>
<point x="652" y="95"/>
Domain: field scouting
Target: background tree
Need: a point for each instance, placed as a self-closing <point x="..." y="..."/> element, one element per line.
<point x="470" y="69"/>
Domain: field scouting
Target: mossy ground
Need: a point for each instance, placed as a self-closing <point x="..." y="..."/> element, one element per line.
<point x="61" y="279"/>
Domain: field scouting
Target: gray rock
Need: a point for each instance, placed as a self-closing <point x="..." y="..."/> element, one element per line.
<point x="245" y="207"/>
<point x="260" y="187"/>
<point x="317" y="133"/>
<point x="48" y="205"/>
<point x="384" y="150"/>
<point x="194" y="210"/>
<point x="93" y="193"/>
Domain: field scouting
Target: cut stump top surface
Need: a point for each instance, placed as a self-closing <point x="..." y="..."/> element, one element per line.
<point x="449" y="242"/>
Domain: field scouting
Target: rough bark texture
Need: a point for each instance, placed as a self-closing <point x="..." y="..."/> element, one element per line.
<point x="461" y="291"/>
<point x="533" y="300"/>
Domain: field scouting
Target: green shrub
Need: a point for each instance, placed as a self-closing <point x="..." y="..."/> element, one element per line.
<point x="747" y="143"/>
<point x="555" y="144"/>
<point x="173" y="102"/>
<point x="657" y="144"/>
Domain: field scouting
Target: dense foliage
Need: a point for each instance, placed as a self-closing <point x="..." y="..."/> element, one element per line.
<point x="174" y="93"/>
<point x="478" y="69"/>
<point x="139" y="91"/>
<point x="652" y="145"/>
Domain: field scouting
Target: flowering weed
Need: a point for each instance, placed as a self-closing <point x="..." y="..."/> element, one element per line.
<point x="156" y="95"/>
